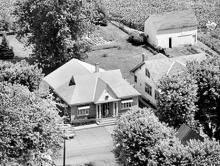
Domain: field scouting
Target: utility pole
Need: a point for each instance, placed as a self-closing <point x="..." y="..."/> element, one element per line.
<point x="64" y="152"/>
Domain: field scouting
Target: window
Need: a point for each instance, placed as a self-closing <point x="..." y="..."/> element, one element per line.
<point x="126" y="103"/>
<point x="147" y="73"/>
<point x="135" y="78"/>
<point x="83" y="111"/>
<point x="148" y="89"/>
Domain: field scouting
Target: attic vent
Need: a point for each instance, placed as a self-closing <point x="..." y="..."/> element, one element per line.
<point x="72" y="82"/>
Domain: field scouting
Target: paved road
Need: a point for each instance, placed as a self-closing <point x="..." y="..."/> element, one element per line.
<point x="90" y="145"/>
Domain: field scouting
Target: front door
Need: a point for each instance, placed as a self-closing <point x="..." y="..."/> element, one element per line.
<point x="105" y="110"/>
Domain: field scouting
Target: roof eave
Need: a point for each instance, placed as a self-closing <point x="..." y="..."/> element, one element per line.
<point x="137" y="67"/>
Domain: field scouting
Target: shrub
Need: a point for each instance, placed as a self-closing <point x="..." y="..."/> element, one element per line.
<point x="21" y="73"/>
<point x="136" y="38"/>
<point x="136" y="134"/>
<point x="204" y="153"/>
<point x="171" y="152"/>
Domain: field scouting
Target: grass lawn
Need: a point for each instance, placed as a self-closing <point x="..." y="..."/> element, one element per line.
<point x="124" y="57"/>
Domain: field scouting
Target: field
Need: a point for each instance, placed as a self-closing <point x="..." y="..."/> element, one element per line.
<point x="134" y="13"/>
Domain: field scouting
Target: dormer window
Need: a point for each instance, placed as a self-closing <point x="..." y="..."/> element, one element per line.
<point x="147" y="73"/>
<point x="72" y="82"/>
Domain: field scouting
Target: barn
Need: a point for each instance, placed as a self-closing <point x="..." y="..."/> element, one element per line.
<point x="172" y="29"/>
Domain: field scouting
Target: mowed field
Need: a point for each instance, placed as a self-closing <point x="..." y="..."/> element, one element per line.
<point x="122" y="55"/>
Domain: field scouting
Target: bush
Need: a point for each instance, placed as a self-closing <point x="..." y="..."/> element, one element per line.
<point x="204" y="153"/>
<point x="21" y="73"/>
<point x="137" y="38"/>
<point x="171" y="152"/>
<point x="136" y="134"/>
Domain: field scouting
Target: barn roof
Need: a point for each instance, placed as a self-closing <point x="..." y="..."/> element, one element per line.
<point x="185" y="134"/>
<point x="173" y="21"/>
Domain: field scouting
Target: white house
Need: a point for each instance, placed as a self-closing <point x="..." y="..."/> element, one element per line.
<point x="171" y="29"/>
<point x="148" y="73"/>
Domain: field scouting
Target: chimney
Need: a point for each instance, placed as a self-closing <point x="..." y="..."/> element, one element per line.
<point x="96" y="67"/>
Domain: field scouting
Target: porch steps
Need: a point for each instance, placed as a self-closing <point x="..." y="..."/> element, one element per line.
<point x="106" y="121"/>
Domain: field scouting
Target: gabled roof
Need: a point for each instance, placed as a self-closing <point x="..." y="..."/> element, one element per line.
<point x="157" y="56"/>
<point x="64" y="73"/>
<point x="169" y="66"/>
<point x="176" y="20"/>
<point x="185" y="134"/>
<point x="89" y="86"/>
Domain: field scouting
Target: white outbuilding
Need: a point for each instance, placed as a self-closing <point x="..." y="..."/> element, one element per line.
<point x="171" y="29"/>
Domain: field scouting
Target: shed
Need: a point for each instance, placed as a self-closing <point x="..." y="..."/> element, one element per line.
<point x="171" y="29"/>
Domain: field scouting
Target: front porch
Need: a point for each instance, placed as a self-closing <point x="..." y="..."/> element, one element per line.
<point x="107" y="109"/>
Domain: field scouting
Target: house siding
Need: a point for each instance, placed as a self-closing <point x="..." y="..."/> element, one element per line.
<point x="178" y="39"/>
<point x="92" y="111"/>
<point x="140" y="85"/>
<point x="150" y="32"/>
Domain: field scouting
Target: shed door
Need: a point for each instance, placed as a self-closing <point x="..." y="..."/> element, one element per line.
<point x="170" y="42"/>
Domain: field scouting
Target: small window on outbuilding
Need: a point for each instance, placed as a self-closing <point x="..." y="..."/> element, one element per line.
<point x="147" y="73"/>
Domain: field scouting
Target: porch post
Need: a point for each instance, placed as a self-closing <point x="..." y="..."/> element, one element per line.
<point x="100" y="111"/>
<point x="113" y="104"/>
<point x="116" y="111"/>
<point x="96" y="109"/>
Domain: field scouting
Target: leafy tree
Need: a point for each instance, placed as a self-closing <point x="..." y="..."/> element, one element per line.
<point x="21" y="73"/>
<point x="5" y="51"/>
<point x="204" y="153"/>
<point x="136" y="134"/>
<point x="176" y="104"/>
<point x="207" y="75"/>
<point x="171" y="152"/>
<point x="54" y="29"/>
<point x="29" y="126"/>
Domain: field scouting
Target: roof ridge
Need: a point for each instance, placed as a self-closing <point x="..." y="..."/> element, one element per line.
<point x="93" y="97"/>
<point x="170" y="68"/>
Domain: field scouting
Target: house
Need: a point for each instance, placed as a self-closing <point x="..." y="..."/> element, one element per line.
<point x="91" y="92"/>
<point x="171" y="29"/>
<point x="185" y="134"/>
<point x="149" y="71"/>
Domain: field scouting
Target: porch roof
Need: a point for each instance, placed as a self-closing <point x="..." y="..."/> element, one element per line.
<point x="107" y="101"/>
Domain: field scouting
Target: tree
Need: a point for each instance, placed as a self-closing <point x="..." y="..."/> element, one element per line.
<point x="54" y="29"/>
<point x="5" y="51"/>
<point x="29" y="126"/>
<point x="137" y="133"/>
<point x="207" y="75"/>
<point x="21" y="73"/>
<point x="176" y="104"/>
